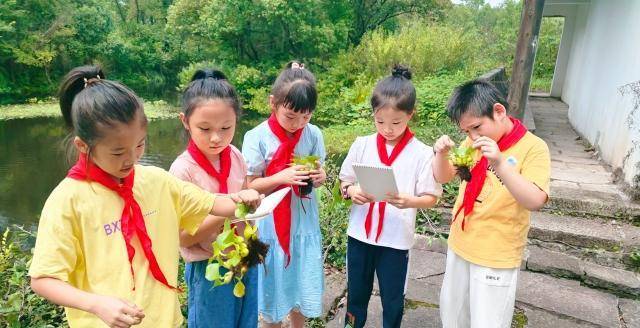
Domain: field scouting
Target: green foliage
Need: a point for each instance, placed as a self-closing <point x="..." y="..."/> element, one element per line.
<point x="338" y="138"/>
<point x="251" y="31"/>
<point x="334" y="217"/>
<point x="425" y="47"/>
<point x="229" y="250"/>
<point x="432" y="95"/>
<point x="370" y="15"/>
<point x="634" y="259"/>
<point x="462" y="156"/>
<point x="158" y="109"/>
<point x="19" y="305"/>
<point x="548" y="45"/>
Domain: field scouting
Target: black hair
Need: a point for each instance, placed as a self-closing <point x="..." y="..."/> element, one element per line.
<point x="477" y="97"/>
<point x="295" y="88"/>
<point x="209" y="84"/>
<point x="90" y="103"/>
<point x="395" y="90"/>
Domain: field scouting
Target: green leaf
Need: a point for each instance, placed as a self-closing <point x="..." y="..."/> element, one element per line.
<point x="238" y="290"/>
<point x="212" y="272"/>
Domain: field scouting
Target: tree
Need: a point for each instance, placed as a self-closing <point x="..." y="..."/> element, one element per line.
<point x="368" y="15"/>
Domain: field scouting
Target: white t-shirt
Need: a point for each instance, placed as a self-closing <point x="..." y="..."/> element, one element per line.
<point x="414" y="176"/>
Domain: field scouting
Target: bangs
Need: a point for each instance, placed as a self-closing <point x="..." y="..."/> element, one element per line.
<point x="302" y="97"/>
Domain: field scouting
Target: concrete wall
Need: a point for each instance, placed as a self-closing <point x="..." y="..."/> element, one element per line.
<point x="602" y="72"/>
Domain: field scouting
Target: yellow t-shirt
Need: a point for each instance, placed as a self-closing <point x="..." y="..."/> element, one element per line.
<point x="79" y="241"/>
<point x="495" y="232"/>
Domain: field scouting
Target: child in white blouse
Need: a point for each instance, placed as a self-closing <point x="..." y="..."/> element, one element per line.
<point x="380" y="236"/>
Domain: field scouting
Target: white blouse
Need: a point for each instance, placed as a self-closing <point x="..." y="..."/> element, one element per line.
<point x="414" y="176"/>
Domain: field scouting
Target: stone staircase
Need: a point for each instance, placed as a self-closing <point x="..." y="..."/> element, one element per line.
<point x="582" y="263"/>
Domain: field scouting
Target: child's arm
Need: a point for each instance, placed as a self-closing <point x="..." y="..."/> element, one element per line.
<point x="113" y="311"/>
<point x="443" y="170"/>
<point x="407" y="201"/>
<point x="210" y="226"/>
<point x="525" y="192"/>
<point x="356" y="194"/>
<point x="225" y="205"/>
<point x="294" y="175"/>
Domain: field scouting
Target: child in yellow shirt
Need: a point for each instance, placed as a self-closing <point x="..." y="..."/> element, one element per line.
<point x="107" y="246"/>
<point x="491" y="215"/>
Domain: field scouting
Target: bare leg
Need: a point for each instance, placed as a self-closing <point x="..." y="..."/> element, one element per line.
<point x="272" y="325"/>
<point x="297" y="319"/>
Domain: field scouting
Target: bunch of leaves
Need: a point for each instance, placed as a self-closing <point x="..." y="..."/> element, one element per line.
<point x="311" y="163"/>
<point x="236" y="254"/>
<point x="463" y="158"/>
<point x="19" y="305"/>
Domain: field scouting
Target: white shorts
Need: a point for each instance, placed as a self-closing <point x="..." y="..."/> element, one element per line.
<point x="476" y="296"/>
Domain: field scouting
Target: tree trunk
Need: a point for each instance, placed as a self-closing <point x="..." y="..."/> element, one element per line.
<point x="525" y="55"/>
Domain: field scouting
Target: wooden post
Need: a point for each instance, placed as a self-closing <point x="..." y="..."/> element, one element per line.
<point x="525" y="55"/>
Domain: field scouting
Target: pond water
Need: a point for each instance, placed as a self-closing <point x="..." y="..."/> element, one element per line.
<point x="33" y="160"/>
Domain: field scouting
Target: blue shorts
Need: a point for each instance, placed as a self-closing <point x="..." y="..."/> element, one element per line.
<point x="218" y="307"/>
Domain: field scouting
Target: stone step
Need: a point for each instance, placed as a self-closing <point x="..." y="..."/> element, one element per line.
<point x="542" y="300"/>
<point x="567" y="300"/>
<point x="584" y="233"/>
<point x="586" y="201"/>
<point x="620" y="282"/>
<point x="591" y="236"/>
<point x="335" y="289"/>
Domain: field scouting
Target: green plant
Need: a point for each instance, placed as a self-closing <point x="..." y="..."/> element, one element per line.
<point x="236" y="254"/>
<point x="463" y="158"/>
<point x="450" y="192"/>
<point x="19" y="305"/>
<point x="334" y="218"/>
<point x="634" y="258"/>
<point x="429" y="222"/>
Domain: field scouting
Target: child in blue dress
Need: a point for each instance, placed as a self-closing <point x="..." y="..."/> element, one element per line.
<point x="292" y="281"/>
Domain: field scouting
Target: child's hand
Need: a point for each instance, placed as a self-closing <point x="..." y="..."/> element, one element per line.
<point x="489" y="149"/>
<point x="443" y="145"/>
<point x="400" y="200"/>
<point x="116" y="312"/>
<point x="294" y="175"/>
<point x="358" y="196"/>
<point x="318" y="176"/>
<point x="249" y="197"/>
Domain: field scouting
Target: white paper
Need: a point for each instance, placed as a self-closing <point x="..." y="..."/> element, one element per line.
<point x="376" y="180"/>
<point x="269" y="204"/>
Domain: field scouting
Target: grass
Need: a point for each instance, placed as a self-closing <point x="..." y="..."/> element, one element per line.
<point x="519" y="320"/>
<point x="541" y="84"/>
<point x="154" y="110"/>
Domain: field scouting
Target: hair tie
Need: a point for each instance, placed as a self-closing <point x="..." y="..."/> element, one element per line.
<point x="88" y="82"/>
<point x="295" y="65"/>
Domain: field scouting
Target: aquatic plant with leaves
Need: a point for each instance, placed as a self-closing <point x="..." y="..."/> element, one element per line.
<point x="463" y="158"/>
<point x="310" y="162"/>
<point x="234" y="254"/>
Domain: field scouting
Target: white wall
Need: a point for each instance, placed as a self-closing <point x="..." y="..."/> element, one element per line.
<point x="604" y="58"/>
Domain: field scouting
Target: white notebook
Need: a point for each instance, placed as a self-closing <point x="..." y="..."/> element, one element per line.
<point x="267" y="205"/>
<point x="376" y="180"/>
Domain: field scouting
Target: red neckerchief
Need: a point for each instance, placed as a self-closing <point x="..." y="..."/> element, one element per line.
<point x="131" y="220"/>
<point x="479" y="171"/>
<point x="205" y="164"/>
<point x="386" y="160"/>
<point x="281" y="160"/>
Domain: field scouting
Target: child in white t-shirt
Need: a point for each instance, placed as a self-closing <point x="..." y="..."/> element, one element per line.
<point x="381" y="233"/>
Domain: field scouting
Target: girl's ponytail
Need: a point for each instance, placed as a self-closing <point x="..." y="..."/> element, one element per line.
<point x="72" y="84"/>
